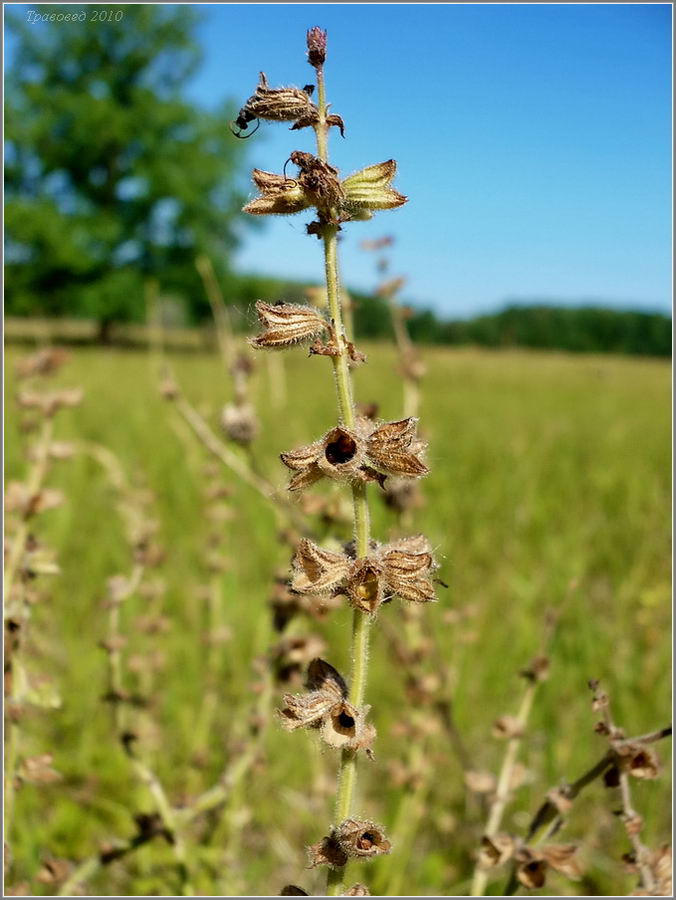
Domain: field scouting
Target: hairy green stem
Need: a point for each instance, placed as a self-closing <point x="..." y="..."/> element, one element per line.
<point x="347" y="772"/>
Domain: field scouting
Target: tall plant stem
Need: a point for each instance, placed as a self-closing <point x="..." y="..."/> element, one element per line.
<point x="219" y="308"/>
<point x="347" y="772"/>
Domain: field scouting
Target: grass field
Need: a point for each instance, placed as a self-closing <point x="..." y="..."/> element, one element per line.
<point x="549" y="488"/>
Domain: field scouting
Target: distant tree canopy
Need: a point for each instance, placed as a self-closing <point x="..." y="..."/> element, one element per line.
<point x="589" y="329"/>
<point x="111" y="176"/>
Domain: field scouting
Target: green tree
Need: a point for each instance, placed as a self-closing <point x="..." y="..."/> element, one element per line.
<point x="111" y="176"/>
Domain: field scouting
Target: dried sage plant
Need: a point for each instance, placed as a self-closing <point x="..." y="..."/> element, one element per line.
<point x="356" y="451"/>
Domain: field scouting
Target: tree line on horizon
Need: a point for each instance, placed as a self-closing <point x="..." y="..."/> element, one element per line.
<point x="542" y="325"/>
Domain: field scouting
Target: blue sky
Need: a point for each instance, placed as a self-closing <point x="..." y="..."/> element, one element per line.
<point x="534" y="142"/>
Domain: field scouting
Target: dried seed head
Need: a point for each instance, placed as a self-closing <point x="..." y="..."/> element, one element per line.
<point x="305" y="710"/>
<point x="285" y="104"/>
<point x="342" y="454"/>
<point x="369" y="452"/>
<point x="480" y="782"/>
<point x="507" y="727"/>
<point x="345" y="729"/>
<point x="358" y="890"/>
<point x="316" y="47"/>
<point x="402" y="568"/>
<point x="537" y="669"/>
<point x="286" y="324"/>
<point x="43" y="362"/>
<point x="369" y="190"/>
<point x="39" y="770"/>
<point x="532" y="873"/>
<point x="362" y="839"/>
<point x="365" y="586"/>
<point x="495" y="850"/>
<point x="54" y="871"/>
<point x="279" y="196"/>
<point x="327" y="852"/>
<point x="19" y="499"/>
<point x="292" y="654"/>
<point x="638" y="760"/>
<point x="317" y="570"/>
<point x="561" y="857"/>
<point x="407" y="566"/>
<point x="169" y="388"/>
<point x="240" y="423"/>
<point x="319" y="181"/>
<point x="560" y="800"/>
<point x="50" y="402"/>
<point x="633" y="824"/>
<point x="321" y="676"/>
<point x="394" y="449"/>
<point x="660" y="863"/>
<point x="340" y="724"/>
<point x="611" y="777"/>
<point x="389" y="288"/>
<point x="402" y="494"/>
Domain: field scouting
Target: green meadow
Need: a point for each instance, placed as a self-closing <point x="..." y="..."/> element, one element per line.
<point x="549" y="491"/>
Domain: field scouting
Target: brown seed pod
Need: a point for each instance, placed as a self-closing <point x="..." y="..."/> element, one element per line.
<point x="327" y="852"/>
<point x="285" y="104"/>
<point x="369" y="452"/>
<point x="286" y="324"/>
<point x="361" y="838"/>
<point x="402" y="568"/>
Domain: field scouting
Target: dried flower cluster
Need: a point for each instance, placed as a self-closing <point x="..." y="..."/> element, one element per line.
<point x="326" y="708"/>
<point x="402" y="569"/>
<point x="317" y="185"/>
<point x="238" y="419"/>
<point x="367" y="452"/>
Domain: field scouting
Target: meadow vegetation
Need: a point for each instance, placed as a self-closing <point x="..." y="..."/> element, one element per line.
<point x="549" y="492"/>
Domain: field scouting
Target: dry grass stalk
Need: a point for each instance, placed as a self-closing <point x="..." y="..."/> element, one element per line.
<point x="534" y="675"/>
<point x="411" y="367"/>
<point x="219" y="309"/>
<point x="286" y="514"/>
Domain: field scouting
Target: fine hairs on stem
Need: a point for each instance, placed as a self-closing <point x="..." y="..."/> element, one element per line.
<point x="356" y="451"/>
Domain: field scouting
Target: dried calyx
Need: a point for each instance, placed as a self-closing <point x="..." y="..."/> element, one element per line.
<point x="356" y="838"/>
<point x="326" y="708"/>
<point x="286" y="324"/>
<point x="283" y="104"/>
<point x="317" y="185"/>
<point x="402" y="568"/>
<point x="369" y="452"/>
